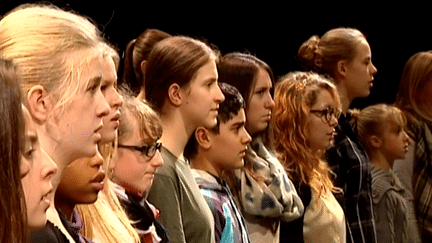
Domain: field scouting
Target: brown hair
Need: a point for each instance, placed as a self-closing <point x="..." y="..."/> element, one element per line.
<point x="174" y="60"/>
<point x="12" y="203"/>
<point x="137" y="51"/>
<point x="411" y="96"/>
<point x="322" y="54"/>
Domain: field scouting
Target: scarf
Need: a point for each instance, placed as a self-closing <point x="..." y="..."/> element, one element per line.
<point x="268" y="193"/>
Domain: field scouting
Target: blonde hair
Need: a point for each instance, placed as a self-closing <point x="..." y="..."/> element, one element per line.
<point x="295" y="94"/>
<point x="323" y="54"/>
<point x="146" y="118"/>
<point x="106" y="219"/>
<point x="373" y="120"/>
<point x="411" y="96"/>
<point x="106" y="215"/>
<point x="47" y="43"/>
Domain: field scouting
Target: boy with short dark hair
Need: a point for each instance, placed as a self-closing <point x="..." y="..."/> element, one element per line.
<point x="212" y="151"/>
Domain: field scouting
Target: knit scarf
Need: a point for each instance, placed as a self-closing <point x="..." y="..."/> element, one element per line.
<point x="269" y="193"/>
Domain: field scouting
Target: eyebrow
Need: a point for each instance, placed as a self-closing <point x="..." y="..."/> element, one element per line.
<point x="93" y="81"/>
<point x="238" y="124"/>
<point x="33" y="138"/>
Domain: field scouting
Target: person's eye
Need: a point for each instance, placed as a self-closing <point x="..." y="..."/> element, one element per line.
<point x="104" y="87"/>
<point x="93" y="88"/>
<point x="28" y="154"/>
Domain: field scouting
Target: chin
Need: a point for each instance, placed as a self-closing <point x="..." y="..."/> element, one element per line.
<point x="37" y="222"/>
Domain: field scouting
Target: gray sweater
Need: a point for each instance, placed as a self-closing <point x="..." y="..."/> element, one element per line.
<point x="391" y="208"/>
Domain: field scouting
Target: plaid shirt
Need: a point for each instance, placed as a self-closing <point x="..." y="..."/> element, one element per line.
<point x="422" y="175"/>
<point x="350" y="163"/>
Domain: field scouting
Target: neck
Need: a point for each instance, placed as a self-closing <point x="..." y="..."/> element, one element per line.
<point x="201" y="162"/>
<point x="344" y="98"/>
<point x="176" y="132"/>
<point x="379" y="160"/>
<point x="53" y="150"/>
<point x="65" y="206"/>
<point x="141" y="95"/>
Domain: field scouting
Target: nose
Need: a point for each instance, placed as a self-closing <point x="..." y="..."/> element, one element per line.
<point x="246" y="138"/>
<point x="333" y="121"/>
<point x="103" y="107"/>
<point x="117" y="99"/>
<point x="97" y="160"/>
<point x="219" y="97"/>
<point x="157" y="160"/>
<point x="49" y="167"/>
<point x="269" y="102"/>
<point x="374" y="69"/>
<point x="406" y="137"/>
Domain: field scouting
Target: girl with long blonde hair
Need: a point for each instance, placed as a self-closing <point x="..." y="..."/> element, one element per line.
<point x="105" y="220"/>
<point x="306" y="110"/>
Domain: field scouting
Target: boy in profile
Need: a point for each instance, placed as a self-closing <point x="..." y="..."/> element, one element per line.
<point x="213" y="151"/>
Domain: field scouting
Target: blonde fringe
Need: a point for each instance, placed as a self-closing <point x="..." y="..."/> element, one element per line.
<point x="106" y="220"/>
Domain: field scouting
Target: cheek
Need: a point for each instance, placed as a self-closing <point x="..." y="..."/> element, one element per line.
<point x="29" y="184"/>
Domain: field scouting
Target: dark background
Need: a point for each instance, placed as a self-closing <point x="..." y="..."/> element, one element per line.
<point x="273" y="31"/>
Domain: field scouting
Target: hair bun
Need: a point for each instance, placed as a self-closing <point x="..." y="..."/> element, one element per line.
<point x="307" y="53"/>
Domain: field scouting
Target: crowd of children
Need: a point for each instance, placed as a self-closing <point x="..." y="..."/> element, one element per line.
<point x="196" y="146"/>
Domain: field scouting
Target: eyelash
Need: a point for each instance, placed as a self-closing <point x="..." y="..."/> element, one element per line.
<point x="29" y="153"/>
<point x="93" y="88"/>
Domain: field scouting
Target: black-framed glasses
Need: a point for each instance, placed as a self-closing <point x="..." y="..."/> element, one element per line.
<point x="327" y="113"/>
<point x="148" y="150"/>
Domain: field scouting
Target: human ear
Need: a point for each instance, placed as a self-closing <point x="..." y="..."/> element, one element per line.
<point x="174" y="94"/>
<point x="39" y="104"/>
<point x="341" y="68"/>
<point x="202" y="137"/>
<point x="375" y="141"/>
<point x="143" y="66"/>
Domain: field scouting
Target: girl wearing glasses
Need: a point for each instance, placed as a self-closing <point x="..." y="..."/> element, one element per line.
<point x="306" y="112"/>
<point x="344" y="55"/>
<point x="134" y="166"/>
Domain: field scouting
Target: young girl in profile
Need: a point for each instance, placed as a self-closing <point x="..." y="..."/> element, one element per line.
<point x="382" y="131"/>
<point x="344" y="54"/>
<point x="306" y="112"/>
<point x="181" y="85"/>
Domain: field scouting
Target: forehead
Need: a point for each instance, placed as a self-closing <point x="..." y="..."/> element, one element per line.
<point x="263" y="79"/>
<point x="324" y="99"/>
<point x="235" y="119"/>
<point x="136" y="134"/>
<point x="109" y="71"/>
<point x="363" y="49"/>
<point x="206" y="73"/>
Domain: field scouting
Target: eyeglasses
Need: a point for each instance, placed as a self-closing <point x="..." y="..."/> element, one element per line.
<point x="327" y="113"/>
<point x="148" y="150"/>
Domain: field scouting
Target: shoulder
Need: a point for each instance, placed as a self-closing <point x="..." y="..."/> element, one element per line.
<point x="168" y="169"/>
<point x="385" y="185"/>
<point x="49" y="233"/>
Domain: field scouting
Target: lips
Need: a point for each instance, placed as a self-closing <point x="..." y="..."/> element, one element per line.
<point x="99" y="177"/>
<point x="97" y="181"/>
<point x="45" y="199"/>
<point x="116" y="117"/>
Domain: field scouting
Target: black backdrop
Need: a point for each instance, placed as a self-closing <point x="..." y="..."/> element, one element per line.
<point x="272" y="31"/>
